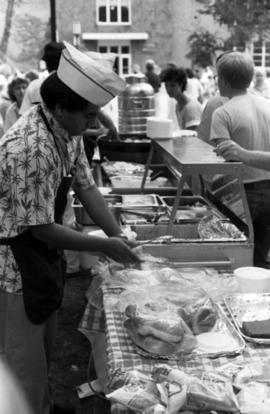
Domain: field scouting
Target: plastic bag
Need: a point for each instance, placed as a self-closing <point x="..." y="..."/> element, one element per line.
<point x="254" y="398"/>
<point x="256" y="372"/>
<point x="217" y="284"/>
<point x="209" y="391"/>
<point x="163" y="319"/>
<point x="138" y="392"/>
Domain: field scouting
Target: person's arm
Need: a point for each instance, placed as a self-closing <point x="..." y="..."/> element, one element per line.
<point x="234" y="152"/>
<point x="58" y="236"/>
<point x="219" y="130"/>
<point x="108" y="123"/>
<point x="192" y="115"/>
<point x="105" y="126"/>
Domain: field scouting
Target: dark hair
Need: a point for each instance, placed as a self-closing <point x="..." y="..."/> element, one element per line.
<point x="190" y="73"/>
<point x="53" y="91"/>
<point x="178" y="75"/>
<point x="52" y="55"/>
<point x="31" y="74"/>
<point x="150" y="65"/>
<point x="17" y="80"/>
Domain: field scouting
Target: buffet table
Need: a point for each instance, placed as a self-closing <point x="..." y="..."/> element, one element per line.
<point x="192" y="157"/>
<point x="114" y="351"/>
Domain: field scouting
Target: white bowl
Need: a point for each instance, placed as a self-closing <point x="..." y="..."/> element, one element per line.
<point x="253" y="279"/>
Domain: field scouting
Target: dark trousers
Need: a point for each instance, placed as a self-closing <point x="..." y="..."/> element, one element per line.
<point x="259" y="205"/>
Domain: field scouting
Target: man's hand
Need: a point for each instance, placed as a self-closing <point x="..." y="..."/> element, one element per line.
<point x="112" y="135"/>
<point x="118" y="250"/>
<point x="230" y="151"/>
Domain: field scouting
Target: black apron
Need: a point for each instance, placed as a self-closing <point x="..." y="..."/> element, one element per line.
<point x="42" y="268"/>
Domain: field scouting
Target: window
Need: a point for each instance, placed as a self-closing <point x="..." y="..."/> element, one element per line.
<point x="113" y="12"/>
<point x="123" y="59"/>
<point x="261" y="53"/>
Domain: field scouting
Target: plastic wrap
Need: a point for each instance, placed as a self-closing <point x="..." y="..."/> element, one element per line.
<point x="208" y="391"/>
<point x="165" y="319"/>
<point x="139" y="392"/>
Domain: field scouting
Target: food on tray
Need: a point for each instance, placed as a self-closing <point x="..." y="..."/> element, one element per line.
<point x="194" y="212"/>
<point x="159" y="337"/>
<point x="211" y="228"/>
<point x="123" y="168"/>
<point x="159" y="329"/>
<point x="139" y="199"/>
<point x="200" y="320"/>
<point x="257" y="329"/>
<point x="166" y="324"/>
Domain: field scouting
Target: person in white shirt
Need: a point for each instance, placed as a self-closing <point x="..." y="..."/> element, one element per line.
<point x="16" y="91"/>
<point x="188" y="110"/>
<point x="245" y="119"/>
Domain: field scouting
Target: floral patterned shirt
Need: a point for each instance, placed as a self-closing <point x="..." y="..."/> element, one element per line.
<point x="30" y="174"/>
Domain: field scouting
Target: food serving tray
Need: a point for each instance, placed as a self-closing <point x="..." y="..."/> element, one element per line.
<point x="249" y="307"/>
<point x="223" y="326"/>
<point x="189" y="208"/>
<point x="141" y="200"/>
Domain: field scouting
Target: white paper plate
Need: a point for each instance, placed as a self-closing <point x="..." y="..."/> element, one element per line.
<point x="214" y="341"/>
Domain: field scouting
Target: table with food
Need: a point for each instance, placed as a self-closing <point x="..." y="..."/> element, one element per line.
<point x="189" y="329"/>
<point x="169" y="338"/>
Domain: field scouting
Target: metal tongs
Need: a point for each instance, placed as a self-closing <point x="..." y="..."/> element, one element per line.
<point x="166" y="239"/>
<point x="152" y="217"/>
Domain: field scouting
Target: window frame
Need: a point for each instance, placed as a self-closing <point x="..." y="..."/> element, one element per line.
<point x="263" y="55"/>
<point x="106" y="48"/>
<point x="108" y="22"/>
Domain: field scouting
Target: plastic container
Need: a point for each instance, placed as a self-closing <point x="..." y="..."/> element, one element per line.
<point x="253" y="279"/>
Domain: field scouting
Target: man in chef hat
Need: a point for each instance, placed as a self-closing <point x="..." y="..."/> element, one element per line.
<point x="41" y="155"/>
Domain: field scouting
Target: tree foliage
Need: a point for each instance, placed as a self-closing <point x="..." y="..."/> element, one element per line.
<point x="7" y="27"/>
<point x="29" y="32"/>
<point x="243" y="18"/>
<point x="202" y="47"/>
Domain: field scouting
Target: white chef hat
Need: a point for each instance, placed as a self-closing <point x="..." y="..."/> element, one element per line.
<point x="90" y="78"/>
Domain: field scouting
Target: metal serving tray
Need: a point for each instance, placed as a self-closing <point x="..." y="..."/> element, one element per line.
<point x="223" y="325"/>
<point x="186" y="203"/>
<point x="114" y="202"/>
<point x="249" y="307"/>
<point x="131" y="201"/>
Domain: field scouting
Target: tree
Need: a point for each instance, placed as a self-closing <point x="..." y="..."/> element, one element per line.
<point x="202" y="47"/>
<point x="30" y="32"/>
<point x="243" y="18"/>
<point x="7" y="27"/>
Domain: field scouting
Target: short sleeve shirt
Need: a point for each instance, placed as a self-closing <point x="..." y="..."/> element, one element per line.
<point x="244" y="119"/>
<point x="31" y="170"/>
<point x="190" y="115"/>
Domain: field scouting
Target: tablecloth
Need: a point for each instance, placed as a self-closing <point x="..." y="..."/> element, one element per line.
<point x="121" y="354"/>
